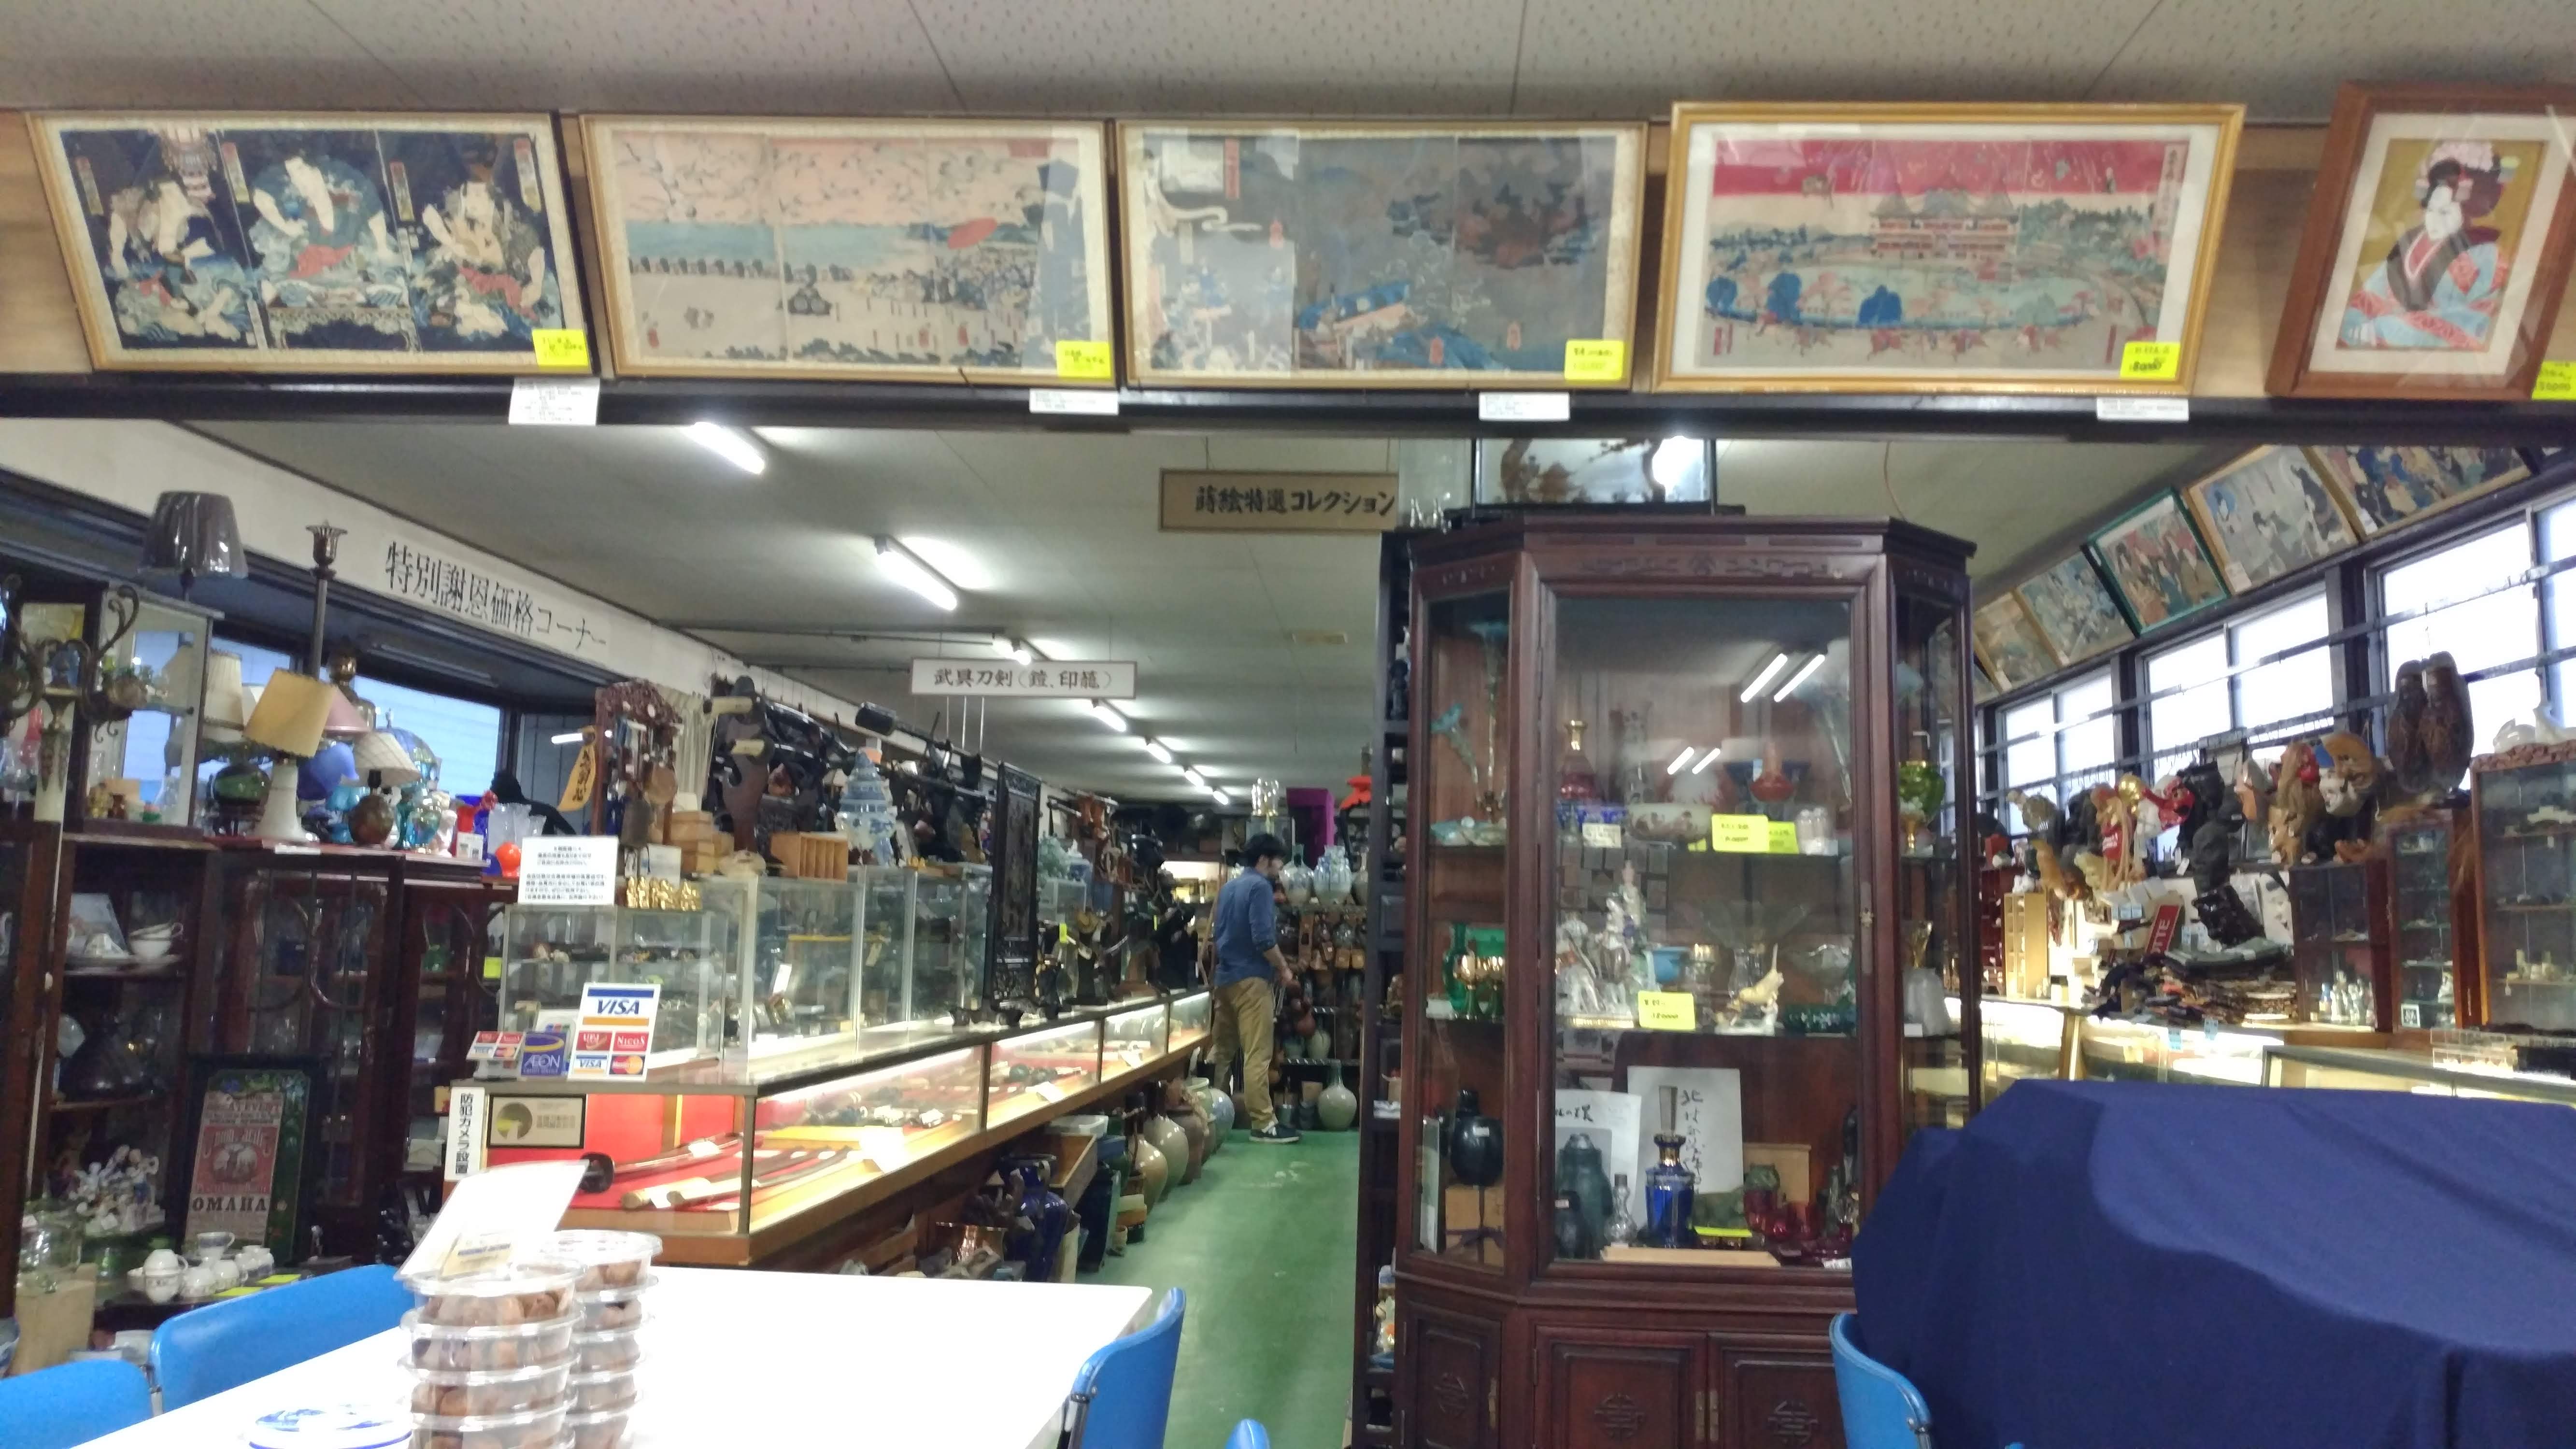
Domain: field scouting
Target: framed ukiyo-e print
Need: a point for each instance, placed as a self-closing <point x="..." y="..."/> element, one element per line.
<point x="1907" y="248"/>
<point x="2267" y="514"/>
<point x="2010" y="649"/>
<point x="2384" y="487"/>
<point x="326" y="242"/>
<point x="2155" y="562"/>
<point x="2437" y="245"/>
<point x="2074" y="611"/>
<point x="1366" y="254"/>
<point x="921" y="251"/>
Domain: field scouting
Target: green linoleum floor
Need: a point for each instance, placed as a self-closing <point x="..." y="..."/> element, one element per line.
<point x="1262" y="1244"/>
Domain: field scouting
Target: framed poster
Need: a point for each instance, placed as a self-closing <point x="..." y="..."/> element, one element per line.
<point x="2155" y="561"/>
<point x="1906" y="248"/>
<point x="916" y="251"/>
<point x="2010" y="649"/>
<point x="2267" y="514"/>
<point x="2437" y="245"/>
<point x="2386" y="487"/>
<point x="248" y="1137"/>
<point x="1380" y="254"/>
<point x="316" y="242"/>
<point x="2074" y="611"/>
<point x="1528" y="472"/>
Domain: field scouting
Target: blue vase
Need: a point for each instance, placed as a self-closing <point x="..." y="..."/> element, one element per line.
<point x="1046" y="1214"/>
<point x="1669" y="1189"/>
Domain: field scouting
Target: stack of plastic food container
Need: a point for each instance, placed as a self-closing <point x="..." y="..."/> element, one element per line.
<point x="614" y="1271"/>
<point x="492" y="1357"/>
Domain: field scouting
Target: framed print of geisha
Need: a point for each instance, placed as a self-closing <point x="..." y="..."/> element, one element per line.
<point x="1380" y="254"/>
<point x="1914" y="248"/>
<point x="2437" y="245"/>
<point x="325" y="242"/>
<point x="914" y="251"/>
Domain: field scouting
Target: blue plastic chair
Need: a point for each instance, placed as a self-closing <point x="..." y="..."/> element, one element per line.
<point x="1881" y="1409"/>
<point x="1249" y="1435"/>
<point x="1122" y="1395"/>
<point x="226" y="1344"/>
<point x="71" y="1404"/>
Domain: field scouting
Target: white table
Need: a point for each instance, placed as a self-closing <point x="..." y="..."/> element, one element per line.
<point x="737" y="1358"/>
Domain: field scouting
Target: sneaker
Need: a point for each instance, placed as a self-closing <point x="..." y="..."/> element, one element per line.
<point x="1277" y="1132"/>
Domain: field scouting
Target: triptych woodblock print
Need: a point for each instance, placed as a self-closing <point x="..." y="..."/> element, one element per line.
<point x="959" y="251"/>
<point x="1376" y="255"/>
<point x="322" y="242"/>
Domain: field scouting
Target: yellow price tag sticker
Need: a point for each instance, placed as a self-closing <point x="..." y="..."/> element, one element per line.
<point x="1667" y="1011"/>
<point x="1596" y="360"/>
<point x="565" y="347"/>
<point x="2556" y="383"/>
<point x="491" y="968"/>
<point x="1741" y="834"/>
<point x="1084" y="361"/>
<point x="2151" y="362"/>
<point x="1784" y="838"/>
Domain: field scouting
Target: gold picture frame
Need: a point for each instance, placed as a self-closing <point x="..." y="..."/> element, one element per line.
<point x="2268" y="514"/>
<point x="1377" y="320"/>
<point x="313" y="241"/>
<point x="858" y="286"/>
<point x="1822" y="160"/>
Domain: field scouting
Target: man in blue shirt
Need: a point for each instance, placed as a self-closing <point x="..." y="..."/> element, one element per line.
<point x="1247" y="961"/>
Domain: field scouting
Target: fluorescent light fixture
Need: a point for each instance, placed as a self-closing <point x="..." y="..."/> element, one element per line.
<point x="901" y="566"/>
<point x="570" y="737"/>
<point x="1707" y="760"/>
<point x="1191" y="774"/>
<point x="1125" y="707"/>
<point x="1159" y="750"/>
<point x="733" y="445"/>
<point x="1101" y="711"/>
<point x="1681" y="759"/>
<point x="1778" y="663"/>
<point x="1222" y="798"/>
<point x="1016" y="650"/>
<point x="1790" y="688"/>
<point x="1673" y="461"/>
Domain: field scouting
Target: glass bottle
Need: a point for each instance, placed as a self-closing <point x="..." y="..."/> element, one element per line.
<point x="1576" y="783"/>
<point x="1622" y="1229"/>
<point x="1669" y="1185"/>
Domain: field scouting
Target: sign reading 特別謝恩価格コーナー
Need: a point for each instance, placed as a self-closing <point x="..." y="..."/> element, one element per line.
<point x="1037" y="679"/>
<point x="1197" y="501"/>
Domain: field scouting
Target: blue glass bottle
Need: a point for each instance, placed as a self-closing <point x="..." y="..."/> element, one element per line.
<point x="1669" y="1187"/>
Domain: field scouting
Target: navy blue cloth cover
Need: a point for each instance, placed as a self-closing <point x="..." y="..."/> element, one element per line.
<point x="2106" y="1265"/>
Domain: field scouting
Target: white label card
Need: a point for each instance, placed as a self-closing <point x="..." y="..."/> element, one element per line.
<point x="2142" y="409"/>
<point x="1601" y="836"/>
<point x="491" y="1212"/>
<point x="465" y="1132"/>
<point x="568" y="870"/>
<point x="554" y="402"/>
<point x="1524" y="407"/>
<point x="1088" y="402"/>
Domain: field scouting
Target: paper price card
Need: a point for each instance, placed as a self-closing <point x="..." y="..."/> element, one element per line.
<point x="2556" y="383"/>
<point x="1741" y="834"/>
<point x="1667" y="1011"/>
<point x="1084" y="361"/>
<point x="1784" y="838"/>
<point x="2151" y="362"/>
<point x="562" y="347"/>
<point x="1596" y="361"/>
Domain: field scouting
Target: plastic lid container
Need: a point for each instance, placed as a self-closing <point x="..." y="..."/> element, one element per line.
<point x="514" y="1346"/>
<point x="329" y="1426"/>
<point x="459" y="1393"/>
<point x="606" y="1429"/>
<point x="526" y="1291"/>
<point x="534" y="1429"/>
<point x="612" y="1307"/>
<point x="606" y="1259"/>
<point x="614" y="1389"/>
<point x="617" y="1348"/>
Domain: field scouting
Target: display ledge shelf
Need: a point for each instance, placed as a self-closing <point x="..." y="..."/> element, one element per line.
<point x="127" y="975"/>
<point x="67" y="1107"/>
<point x="1425" y="412"/>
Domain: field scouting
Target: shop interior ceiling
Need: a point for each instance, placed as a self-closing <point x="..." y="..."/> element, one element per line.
<point x="1254" y="650"/>
<point x="1625" y="58"/>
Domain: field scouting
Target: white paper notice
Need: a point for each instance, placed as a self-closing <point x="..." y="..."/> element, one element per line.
<point x="568" y="870"/>
<point x="1088" y="402"/>
<point x="1610" y="1120"/>
<point x="465" y="1132"/>
<point x="2150" y="409"/>
<point x="554" y="402"/>
<point x="1709" y="1114"/>
<point x="493" y="1212"/>
<point x="1524" y="407"/>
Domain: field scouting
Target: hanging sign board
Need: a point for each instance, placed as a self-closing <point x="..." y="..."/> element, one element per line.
<point x="1197" y="501"/>
<point x="1039" y="679"/>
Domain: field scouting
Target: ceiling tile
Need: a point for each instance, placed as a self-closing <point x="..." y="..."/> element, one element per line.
<point x="2283" y="59"/>
<point x="269" y="54"/>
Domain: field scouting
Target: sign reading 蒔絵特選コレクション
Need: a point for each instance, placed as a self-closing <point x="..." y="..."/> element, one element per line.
<point x="1037" y="679"/>
<point x="1198" y="501"/>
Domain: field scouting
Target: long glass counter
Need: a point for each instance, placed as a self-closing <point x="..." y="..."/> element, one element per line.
<point x="2353" y="1069"/>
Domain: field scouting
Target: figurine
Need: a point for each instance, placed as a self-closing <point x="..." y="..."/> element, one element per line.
<point x="2407" y="760"/>
<point x="2446" y="730"/>
<point x="2296" y="803"/>
<point x="2039" y="813"/>
<point x="2349" y="787"/>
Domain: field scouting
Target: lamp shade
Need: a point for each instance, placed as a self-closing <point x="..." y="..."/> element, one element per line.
<point x="384" y="760"/>
<point x="194" y="535"/>
<point x="292" y="710"/>
<point x="225" y="715"/>
<point x="346" y="721"/>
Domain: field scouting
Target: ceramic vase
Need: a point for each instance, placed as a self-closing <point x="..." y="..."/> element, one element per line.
<point x="1475" y="1142"/>
<point x="1333" y="878"/>
<point x="1153" y="1170"/>
<point x="1194" y="1130"/>
<point x="1339" y="1107"/>
<point x="1221" y="1113"/>
<point x="1174" y="1144"/>
<point x="1298" y="882"/>
<point x="1046" y="1213"/>
<point x="1581" y="1176"/>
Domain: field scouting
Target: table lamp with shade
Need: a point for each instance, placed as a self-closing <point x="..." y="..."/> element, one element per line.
<point x="384" y="767"/>
<point x="288" y="722"/>
<point x="194" y="535"/>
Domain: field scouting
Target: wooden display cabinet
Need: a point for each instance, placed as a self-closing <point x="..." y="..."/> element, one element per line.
<point x="30" y="909"/>
<point x="2523" y="803"/>
<point x="1760" y="828"/>
<point x="2428" y="915"/>
<point x="2344" y="967"/>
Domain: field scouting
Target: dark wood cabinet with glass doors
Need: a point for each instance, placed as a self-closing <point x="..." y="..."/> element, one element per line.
<point x="1687" y="902"/>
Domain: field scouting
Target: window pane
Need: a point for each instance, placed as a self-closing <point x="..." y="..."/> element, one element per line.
<point x="2480" y="632"/>
<point x="2085" y="751"/>
<point x="2558" y="601"/>
<point x="2293" y="687"/>
<point x="464" y="735"/>
<point x="2029" y="760"/>
<point x="2177" y="723"/>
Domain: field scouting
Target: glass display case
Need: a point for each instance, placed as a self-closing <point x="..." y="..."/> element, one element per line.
<point x="1130" y="1039"/>
<point x="155" y="749"/>
<point x="950" y="923"/>
<point x="2430" y="921"/>
<point x="28" y="853"/>
<point x="552" y="952"/>
<point x="2143" y="1051"/>
<point x="1037" y="1069"/>
<point x="801" y="979"/>
<point x="2524" y="803"/>
<point x="1191" y="1016"/>
<point x="2351" y="1069"/>
<point x="447" y="931"/>
<point x="2025" y="1039"/>
<point x="2342" y="968"/>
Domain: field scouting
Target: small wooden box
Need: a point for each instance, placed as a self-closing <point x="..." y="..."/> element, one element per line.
<point x="1463" y="1213"/>
<point x="811" y="857"/>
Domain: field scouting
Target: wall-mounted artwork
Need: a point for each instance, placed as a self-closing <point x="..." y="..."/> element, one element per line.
<point x="924" y="251"/>
<point x="312" y="243"/>
<point x="2269" y="513"/>
<point x="2385" y="487"/>
<point x="2010" y="648"/>
<point x="2074" y="610"/>
<point x="2155" y="560"/>
<point x="1893" y="248"/>
<point x="1522" y="472"/>
<point x="1377" y="255"/>
<point x="2437" y="246"/>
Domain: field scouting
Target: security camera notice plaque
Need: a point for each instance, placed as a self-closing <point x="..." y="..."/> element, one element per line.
<point x="568" y="870"/>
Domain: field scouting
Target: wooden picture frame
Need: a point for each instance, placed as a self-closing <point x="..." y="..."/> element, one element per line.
<point x="1807" y="169"/>
<point x="2157" y="563"/>
<point x="2462" y="317"/>
<point x="243" y="1153"/>
<point x="791" y="248"/>
<point x="2074" y="610"/>
<point x="2268" y="514"/>
<point x="2009" y="645"/>
<point x="1187" y="198"/>
<point x="2383" y="488"/>
<point x="310" y="241"/>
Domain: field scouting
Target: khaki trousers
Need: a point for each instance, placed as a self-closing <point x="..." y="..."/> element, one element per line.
<point x="1244" y="1013"/>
